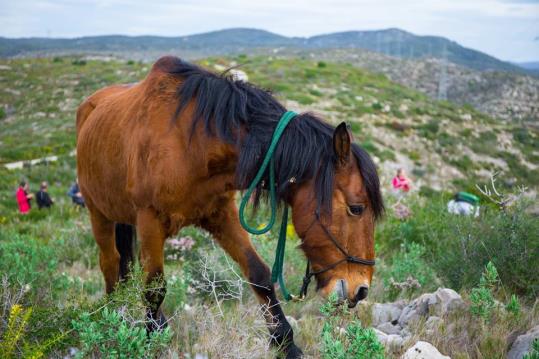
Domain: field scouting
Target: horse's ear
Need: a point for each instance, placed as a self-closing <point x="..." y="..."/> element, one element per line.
<point x="342" y="144"/>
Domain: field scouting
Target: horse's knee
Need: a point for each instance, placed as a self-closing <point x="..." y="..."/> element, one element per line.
<point x="259" y="275"/>
<point x="155" y="295"/>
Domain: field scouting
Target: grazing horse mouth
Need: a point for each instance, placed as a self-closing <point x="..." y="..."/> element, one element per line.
<point x="361" y="292"/>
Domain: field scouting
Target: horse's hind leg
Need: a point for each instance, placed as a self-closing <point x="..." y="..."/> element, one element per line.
<point x="125" y="244"/>
<point x="226" y="229"/>
<point x="152" y="239"/>
<point x="109" y="258"/>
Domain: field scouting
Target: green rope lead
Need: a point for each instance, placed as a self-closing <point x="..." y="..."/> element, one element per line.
<point x="277" y="270"/>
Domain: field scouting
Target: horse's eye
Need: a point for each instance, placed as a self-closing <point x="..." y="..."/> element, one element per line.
<point x="356" y="209"/>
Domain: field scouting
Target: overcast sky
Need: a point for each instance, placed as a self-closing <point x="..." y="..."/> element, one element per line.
<point x="507" y="29"/>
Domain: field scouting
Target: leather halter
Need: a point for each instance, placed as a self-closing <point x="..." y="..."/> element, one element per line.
<point x="347" y="258"/>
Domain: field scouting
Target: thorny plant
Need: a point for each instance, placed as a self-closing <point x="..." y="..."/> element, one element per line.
<point x="502" y="200"/>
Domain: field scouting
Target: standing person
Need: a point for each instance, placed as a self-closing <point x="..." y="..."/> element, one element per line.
<point x="74" y="193"/>
<point x="42" y="196"/>
<point x="401" y="183"/>
<point x="24" y="197"/>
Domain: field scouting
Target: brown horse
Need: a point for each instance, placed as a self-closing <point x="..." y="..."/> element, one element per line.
<point x="173" y="150"/>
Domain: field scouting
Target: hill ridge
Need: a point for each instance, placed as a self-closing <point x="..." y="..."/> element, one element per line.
<point x="391" y="41"/>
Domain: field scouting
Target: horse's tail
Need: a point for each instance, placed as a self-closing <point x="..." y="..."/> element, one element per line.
<point x="125" y="235"/>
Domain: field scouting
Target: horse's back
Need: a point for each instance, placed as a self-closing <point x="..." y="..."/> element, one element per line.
<point x="116" y="126"/>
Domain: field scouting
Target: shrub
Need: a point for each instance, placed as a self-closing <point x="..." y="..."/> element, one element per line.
<point x="30" y="263"/>
<point x="482" y="297"/>
<point x="109" y="333"/>
<point x="14" y="336"/>
<point x="409" y="272"/>
<point x="321" y="64"/>
<point x="78" y="62"/>
<point x="352" y="342"/>
<point x="377" y="106"/>
<point x="459" y="247"/>
<point x="513" y="306"/>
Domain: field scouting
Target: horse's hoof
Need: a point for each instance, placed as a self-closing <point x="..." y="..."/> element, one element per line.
<point x="293" y="352"/>
<point x="156" y="322"/>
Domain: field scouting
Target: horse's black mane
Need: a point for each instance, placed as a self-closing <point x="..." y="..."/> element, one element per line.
<point x="305" y="150"/>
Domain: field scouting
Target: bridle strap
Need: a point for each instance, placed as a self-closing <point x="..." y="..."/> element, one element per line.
<point x="347" y="258"/>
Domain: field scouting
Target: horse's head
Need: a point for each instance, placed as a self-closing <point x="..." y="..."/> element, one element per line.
<point x="339" y="242"/>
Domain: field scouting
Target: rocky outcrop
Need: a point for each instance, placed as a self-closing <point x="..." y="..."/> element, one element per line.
<point x="439" y="303"/>
<point x="505" y="95"/>
<point x="392" y="320"/>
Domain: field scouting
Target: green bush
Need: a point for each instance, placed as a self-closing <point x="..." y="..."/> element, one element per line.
<point x="513" y="306"/>
<point x="78" y="62"/>
<point x="459" y="247"/>
<point x="110" y="336"/>
<point x="482" y="297"/>
<point x="32" y="264"/>
<point x="354" y="342"/>
<point x="408" y="266"/>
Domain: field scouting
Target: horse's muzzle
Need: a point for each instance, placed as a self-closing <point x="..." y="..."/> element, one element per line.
<point x="341" y="289"/>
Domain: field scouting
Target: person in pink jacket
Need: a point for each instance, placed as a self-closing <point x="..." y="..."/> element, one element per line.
<point x="24" y="198"/>
<point x="401" y="182"/>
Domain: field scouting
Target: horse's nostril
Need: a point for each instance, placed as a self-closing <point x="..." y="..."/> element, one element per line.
<point x="362" y="292"/>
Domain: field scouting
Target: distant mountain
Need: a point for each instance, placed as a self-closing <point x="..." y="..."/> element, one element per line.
<point x="402" y="44"/>
<point x="532" y="65"/>
<point x="392" y="42"/>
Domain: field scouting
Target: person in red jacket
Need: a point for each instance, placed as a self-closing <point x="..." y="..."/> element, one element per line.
<point x="24" y="197"/>
<point x="401" y="182"/>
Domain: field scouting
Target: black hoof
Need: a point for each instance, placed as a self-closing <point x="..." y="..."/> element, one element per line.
<point x="156" y="322"/>
<point x="293" y="352"/>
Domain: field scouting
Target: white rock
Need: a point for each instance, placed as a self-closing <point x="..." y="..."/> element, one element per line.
<point x="239" y="75"/>
<point x="423" y="350"/>
<point x="522" y="344"/>
<point x="466" y="117"/>
<point x="386" y="312"/>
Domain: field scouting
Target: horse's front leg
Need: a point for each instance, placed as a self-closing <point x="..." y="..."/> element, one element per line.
<point x="152" y="240"/>
<point x="226" y="229"/>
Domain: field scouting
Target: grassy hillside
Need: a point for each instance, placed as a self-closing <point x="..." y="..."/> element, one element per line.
<point x="445" y="145"/>
<point x="51" y="296"/>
